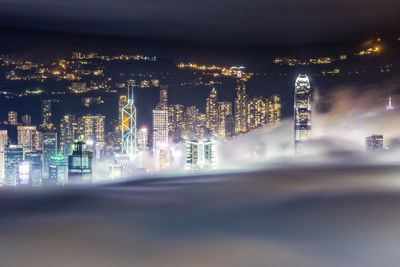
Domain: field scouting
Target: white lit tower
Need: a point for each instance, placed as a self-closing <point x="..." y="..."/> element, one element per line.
<point x="302" y="111"/>
<point x="128" y="123"/>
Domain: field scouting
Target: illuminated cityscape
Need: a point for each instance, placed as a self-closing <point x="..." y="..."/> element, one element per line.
<point x="199" y="133"/>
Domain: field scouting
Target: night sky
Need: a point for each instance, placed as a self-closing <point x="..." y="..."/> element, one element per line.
<point x="208" y="21"/>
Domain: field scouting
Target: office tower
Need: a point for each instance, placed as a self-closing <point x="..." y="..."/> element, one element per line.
<point x="46" y="114"/>
<point x="3" y="145"/>
<point x="274" y="110"/>
<point x="257" y="112"/>
<point x="58" y="171"/>
<point x="201" y="155"/>
<point x="49" y="149"/>
<point x="224" y="110"/>
<point x="28" y="138"/>
<point x="143" y="139"/>
<point x="202" y="132"/>
<point x="212" y="111"/>
<point x="176" y="122"/>
<point x="35" y="159"/>
<point x="241" y="108"/>
<point x="12" y="117"/>
<point x="67" y="133"/>
<point x="93" y="130"/>
<point x="374" y="143"/>
<point x="128" y="126"/>
<point x="80" y="163"/>
<point x="190" y="118"/>
<point x="163" y="96"/>
<point x="160" y="127"/>
<point x="122" y="101"/>
<point x="26" y="119"/>
<point x="389" y="105"/>
<point x="302" y="111"/>
<point x="13" y="155"/>
<point x="23" y="174"/>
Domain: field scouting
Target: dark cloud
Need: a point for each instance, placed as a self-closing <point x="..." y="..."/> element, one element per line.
<point x="256" y="21"/>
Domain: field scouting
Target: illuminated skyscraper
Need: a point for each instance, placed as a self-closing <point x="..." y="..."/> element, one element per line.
<point x="23" y="173"/>
<point x="241" y="108"/>
<point x="191" y="114"/>
<point x="224" y="111"/>
<point x="80" y="163"/>
<point x="58" y="171"/>
<point x="3" y="145"/>
<point x="46" y="114"/>
<point x="35" y="159"/>
<point x="12" y="117"/>
<point x="164" y="96"/>
<point x="121" y="103"/>
<point x="374" y="143"/>
<point x="212" y="111"/>
<point x="161" y="121"/>
<point x="128" y="127"/>
<point x="176" y="122"/>
<point x="160" y="127"/>
<point x="274" y="110"/>
<point x="67" y="133"/>
<point x="28" y="138"/>
<point x="200" y="155"/>
<point x="26" y="119"/>
<point x="143" y="139"/>
<point x="49" y="149"/>
<point x="257" y="112"/>
<point x="13" y="155"/>
<point x="93" y="130"/>
<point x="302" y="111"/>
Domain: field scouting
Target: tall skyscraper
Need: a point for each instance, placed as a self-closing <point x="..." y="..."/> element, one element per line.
<point x="374" y="143"/>
<point x="35" y="159"/>
<point x="28" y="138"/>
<point x="161" y="121"/>
<point x="13" y="155"/>
<point x="46" y="114"/>
<point x="143" y="139"/>
<point x="128" y="127"/>
<point x="164" y="96"/>
<point x="49" y="149"/>
<point x="224" y="111"/>
<point x="160" y="127"/>
<point x="12" y="117"/>
<point x="3" y="145"/>
<point x="274" y="110"/>
<point x="200" y="155"/>
<point x="122" y="101"/>
<point x="93" y="129"/>
<point x="23" y="174"/>
<point x="212" y="111"/>
<point x="302" y="111"/>
<point x="67" y="133"/>
<point x="190" y="115"/>
<point x="80" y="163"/>
<point x="257" y="112"/>
<point x="176" y="122"/>
<point x="26" y="119"/>
<point x="241" y="108"/>
<point x="58" y="171"/>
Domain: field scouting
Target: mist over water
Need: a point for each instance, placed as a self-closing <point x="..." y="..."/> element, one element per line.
<point x="334" y="205"/>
